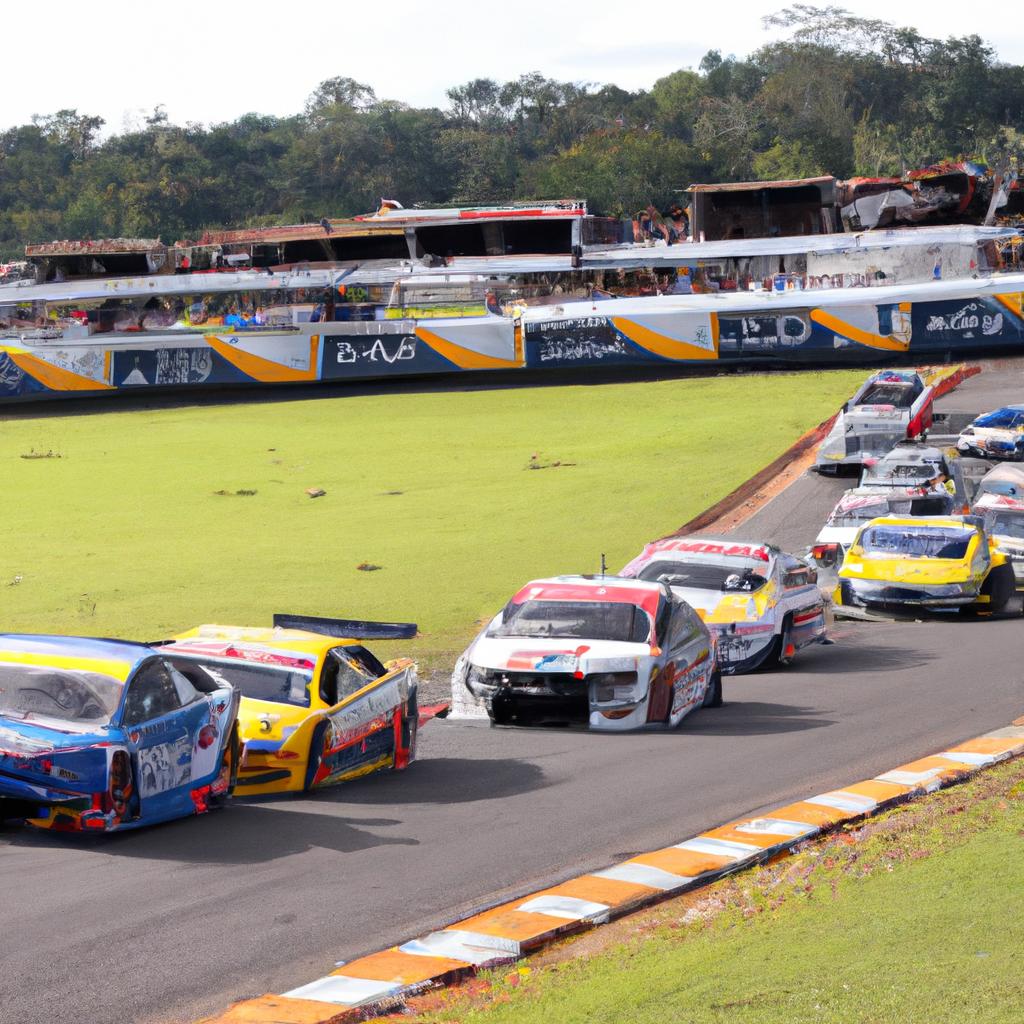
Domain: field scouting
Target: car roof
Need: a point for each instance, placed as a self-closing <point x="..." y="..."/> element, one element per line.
<point x="895" y="377"/>
<point x="115" y="658"/>
<point x="725" y="547"/>
<point x="912" y="452"/>
<point x="599" y="589"/>
<point x="922" y="522"/>
<point x="209" y="639"/>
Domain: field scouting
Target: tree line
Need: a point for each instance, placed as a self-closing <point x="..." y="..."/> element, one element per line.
<point x="839" y="95"/>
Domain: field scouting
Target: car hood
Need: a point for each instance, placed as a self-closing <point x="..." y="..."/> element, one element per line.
<point x="713" y="606"/>
<point x="30" y="737"/>
<point x="906" y="570"/>
<point x="553" y="654"/>
<point x="837" y="535"/>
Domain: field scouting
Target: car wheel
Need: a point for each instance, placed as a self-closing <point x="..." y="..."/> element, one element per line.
<point x="500" y="715"/>
<point x="319" y="746"/>
<point x="229" y="764"/>
<point x="1000" y="585"/>
<point x="410" y="730"/>
<point x="713" y="694"/>
<point x="785" y="648"/>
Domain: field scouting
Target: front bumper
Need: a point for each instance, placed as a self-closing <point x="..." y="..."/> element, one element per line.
<point x="868" y="593"/>
<point x="549" y="698"/>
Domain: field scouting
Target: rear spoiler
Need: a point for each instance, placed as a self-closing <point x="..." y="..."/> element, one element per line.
<point x="348" y="629"/>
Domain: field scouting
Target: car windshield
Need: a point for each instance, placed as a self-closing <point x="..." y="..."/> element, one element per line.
<point x="70" y="696"/>
<point x="898" y="395"/>
<point x="705" y="576"/>
<point x="854" y="514"/>
<point x="908" y="542"/>
<point x="904" y="472"/>
<point x="263" y="682"/>
<point x="1005" y="524"/>
<point x="1004" y="418"/>
<point x="582" y="620"/>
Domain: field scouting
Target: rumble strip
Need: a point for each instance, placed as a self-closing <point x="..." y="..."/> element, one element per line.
<point x="378" y="983"/>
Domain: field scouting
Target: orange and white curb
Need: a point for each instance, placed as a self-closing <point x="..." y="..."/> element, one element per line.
<point x="378" y="983"/>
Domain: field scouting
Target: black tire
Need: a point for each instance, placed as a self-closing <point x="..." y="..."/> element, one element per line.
<point x="500" y="711"/>
<point x="316" y="749"/>
<point x="783" y="641"/>
<point x="411" y="725"/>
<point x="713" y="695"/>
<point x="232" y="757"/>
<point x="1000" y="585"/>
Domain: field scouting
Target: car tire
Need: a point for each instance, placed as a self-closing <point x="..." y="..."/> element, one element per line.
<point x="232" y="757"/>
<point x="316" y="753"/>
<point x="410" y="728"/>
<point x="1000" y="585"/>
<point x="783" y="643"/>
<point x="713" y="694"/>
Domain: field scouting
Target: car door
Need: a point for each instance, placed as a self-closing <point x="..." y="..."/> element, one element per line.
<point x="801" y="599"/>
<point x="359" y="730"/>
<point x="162" y="716"/>
<point x="689" y="649"/>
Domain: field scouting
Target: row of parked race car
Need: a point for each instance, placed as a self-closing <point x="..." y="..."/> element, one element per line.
<point x="105" y="735"/>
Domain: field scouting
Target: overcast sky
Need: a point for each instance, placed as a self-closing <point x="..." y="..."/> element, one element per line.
<point x="213" y="61"/>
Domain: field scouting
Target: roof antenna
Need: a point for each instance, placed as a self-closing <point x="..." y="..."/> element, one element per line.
<point x="603" y="573"/>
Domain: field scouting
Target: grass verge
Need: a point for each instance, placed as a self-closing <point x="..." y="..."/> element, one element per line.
<point x="915" y="917"/>
<point x="434" y="506"/>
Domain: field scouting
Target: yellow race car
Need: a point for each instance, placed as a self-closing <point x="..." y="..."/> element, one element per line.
<point x="929" y="561"/>
<point x="317" y="707"/>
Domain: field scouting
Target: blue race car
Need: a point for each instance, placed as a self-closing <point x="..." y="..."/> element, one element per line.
<point x="995" y="435"/>
<point x="101" y="735"/>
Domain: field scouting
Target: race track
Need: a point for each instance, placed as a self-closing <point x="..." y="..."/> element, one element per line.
<point x="173" y="922"/>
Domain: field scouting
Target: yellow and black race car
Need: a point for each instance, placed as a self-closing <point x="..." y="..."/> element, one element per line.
<point x="928" y="561"/>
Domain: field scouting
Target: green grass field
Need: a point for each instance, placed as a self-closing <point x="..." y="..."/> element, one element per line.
<point x="134" y="524"/>
<point x="919" y="921"/>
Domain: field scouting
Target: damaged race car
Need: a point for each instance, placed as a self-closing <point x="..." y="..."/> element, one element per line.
<point x="995" y="435"/>
<point x="940" y="562"/>
<point x="317" y="707"/>
<point x="103" y="735"/>
<point x="612" y="653"/>
<point x="1000" y="503"/>
<point x="761" y="604"/>
<point x="891" y="405"/>
<point x="860" y="505"/>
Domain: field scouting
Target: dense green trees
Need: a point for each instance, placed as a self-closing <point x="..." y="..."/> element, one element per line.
<point x="839" y="94"/>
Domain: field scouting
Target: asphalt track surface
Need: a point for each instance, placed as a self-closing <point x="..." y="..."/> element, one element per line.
<point x="173" y="922"/>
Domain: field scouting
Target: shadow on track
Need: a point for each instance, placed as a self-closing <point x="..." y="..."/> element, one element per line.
<point x="755" y="718"/>
<point x="843" y="659"/>
<point x="444" y="780"/>
<point x="252" y="832"/>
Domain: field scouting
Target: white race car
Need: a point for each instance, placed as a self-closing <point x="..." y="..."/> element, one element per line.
<point x="1000" y="503"/>
<point x="891" y="405"/>
<point x="761" y="604"/>
<point x="615" y="654"/>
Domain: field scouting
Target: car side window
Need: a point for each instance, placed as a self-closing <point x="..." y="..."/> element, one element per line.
<point x="798" y="575"/>
<point x="683" y="627"/>
<point x="344" y="674"/>
<point x="154" y="692"/>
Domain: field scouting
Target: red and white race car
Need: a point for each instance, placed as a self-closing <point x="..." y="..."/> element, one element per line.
<point x="613" y="653"/>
